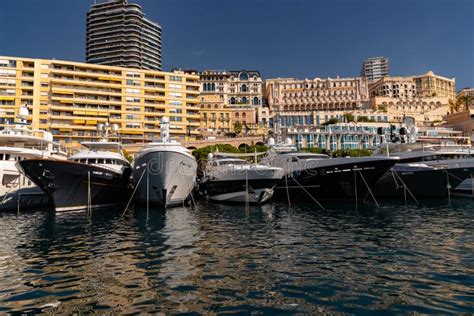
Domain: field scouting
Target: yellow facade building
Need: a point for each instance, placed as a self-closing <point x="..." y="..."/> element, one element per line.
<point x="431" y="85"/>
<point x="216" y="117"/>
<point x="69" y="99"/>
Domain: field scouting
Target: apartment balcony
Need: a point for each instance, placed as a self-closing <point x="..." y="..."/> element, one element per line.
<point x="195" y="116"/>
<point x="194" y="108"/>
<point x="92" y="91"/>
<point x="193" y="123"/>
<point x="68" y="100"/>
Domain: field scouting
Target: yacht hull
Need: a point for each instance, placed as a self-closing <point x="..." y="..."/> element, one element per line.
<point x="334" y="181"/>
<point x="235" y="186"/>
<point x="234" y="191"/>
<point x="421" y="182"/>
<point x="76" y="186"/>
<point x="25" y="199"/>
<point x="465" y="189"/>
<point x="164" y="178"/>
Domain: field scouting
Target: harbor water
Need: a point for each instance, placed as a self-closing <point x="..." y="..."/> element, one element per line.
<point x="272" y="259"/>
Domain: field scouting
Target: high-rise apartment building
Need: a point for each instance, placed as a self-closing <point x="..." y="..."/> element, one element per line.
<point x="375" y="68"/>
<point x="119" y="34"/>
<point x="69" y="99"/>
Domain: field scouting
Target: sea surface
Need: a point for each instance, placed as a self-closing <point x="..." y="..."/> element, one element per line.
<point x="273" y="259"/>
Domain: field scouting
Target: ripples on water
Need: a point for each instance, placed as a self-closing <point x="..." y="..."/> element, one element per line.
<point x="272" y="259"/>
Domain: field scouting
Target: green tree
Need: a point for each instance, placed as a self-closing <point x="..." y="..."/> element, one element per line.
<point x="382" y="107"/>
<point x="364" y="118"/>
<point x="351" y="153"/>
<point x="238" y="128"/>
<point x="454" y="105"/>
<point x="316" y="150"/>
<point x="349" y="117"/>
<point x="201" y="153"/>
<point x="464" y="101"/>
<point x="331" y="121"/>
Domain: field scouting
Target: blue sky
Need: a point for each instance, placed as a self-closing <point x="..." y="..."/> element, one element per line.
<point x="280" y="38"/>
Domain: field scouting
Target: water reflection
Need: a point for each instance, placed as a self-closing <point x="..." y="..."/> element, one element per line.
<point x="219" y="258"/>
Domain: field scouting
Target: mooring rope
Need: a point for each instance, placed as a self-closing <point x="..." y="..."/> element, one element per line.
<point x="133" y="194"/>
<point x="309" y="194"/>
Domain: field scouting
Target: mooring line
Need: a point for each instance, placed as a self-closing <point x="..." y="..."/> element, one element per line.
<point x="368" y="188"/>
<point x="309" y="194"/>
<point x="287" y="191"/>
<point x="405" y="186"/>
<point x="133" y="194"/>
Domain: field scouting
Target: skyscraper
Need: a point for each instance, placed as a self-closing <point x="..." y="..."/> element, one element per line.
<point x="375" y="68"/>
<point x="119" y="34"/>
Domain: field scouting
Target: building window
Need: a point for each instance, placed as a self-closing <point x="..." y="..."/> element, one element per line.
<point x="256" y="101"/>
<point x="244" y="100"/>
<point x="244" y="88"/>
<point x="176" y="78"/>
<point x="232" y="100"/>
<point x="244" y="76"/>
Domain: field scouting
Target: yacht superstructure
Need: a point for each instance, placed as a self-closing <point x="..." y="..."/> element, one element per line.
<point x="164" y="172"/>
<point x="19" y="142"/>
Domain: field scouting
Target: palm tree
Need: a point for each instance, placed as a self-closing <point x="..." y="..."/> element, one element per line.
<point x="454" y="105"/>
<point x="464" y="101"/>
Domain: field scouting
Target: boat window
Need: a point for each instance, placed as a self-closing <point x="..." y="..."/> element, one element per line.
<point x="83" y="160"/>
<point x="91" y="161"/>
<point x="7" y="156"/>
<point x="9" y="180"/>
<point x="310" y="157"/>
<point x="1" y="156"/>
<point x="237" y="162"/>
<point x="109" y="161"/>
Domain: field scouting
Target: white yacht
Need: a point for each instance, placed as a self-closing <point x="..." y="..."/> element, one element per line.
<point x="96" y="177"/>
<point x="19" y="142"/>
<point x="164" y="172"/>
<point x="228" y="178"/>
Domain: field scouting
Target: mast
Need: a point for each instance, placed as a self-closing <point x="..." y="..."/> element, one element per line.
<point x="165" y="129"/>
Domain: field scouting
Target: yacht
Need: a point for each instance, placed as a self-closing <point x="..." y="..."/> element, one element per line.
<point x="231" y="179"/>
<point x="164" y="172"/>
<point x="96" y="177"/>
<point x="19" y="142"/>
<point x="426" y="171"/>
<point x="310" y="175"/>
